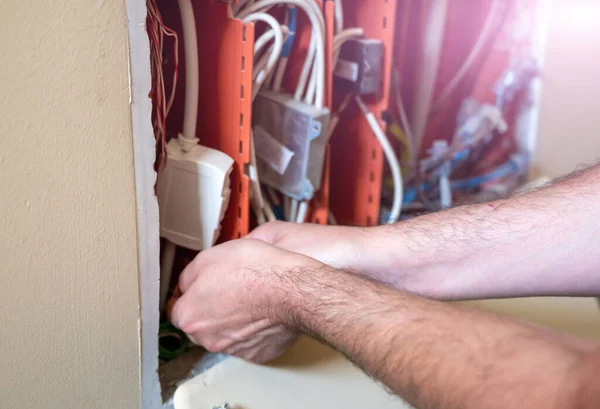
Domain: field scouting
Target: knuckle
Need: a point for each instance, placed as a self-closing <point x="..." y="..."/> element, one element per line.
<point x="211" y="345"/>
<point x="177" y="315"/>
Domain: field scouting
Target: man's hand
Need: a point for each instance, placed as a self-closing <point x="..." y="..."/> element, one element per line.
<point x="233" y="299"/>
<point x="536" y="244"/>
<point x="312" y="240"/>
<point x="336" y="246"/>
<point x="378" y="253"/>
<point x="249" y="298"/>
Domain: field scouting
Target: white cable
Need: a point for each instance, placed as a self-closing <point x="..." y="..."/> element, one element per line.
<point x="341" y="38"/>
<point x="302" y="212"/>
<point x="268" y="208"/>
<point x="315" y="73"/>
<point x="286" y="207"/>
<point x="311" y="91"/>
<point x="257" y="198"/>
<point x="413" y="144"/>
<point x="190" y="119"/>
<point x="339" y="16"/>
<point x="277" y="45"/>
<point x="293" y="210"/>
<point x="345" y="35"/>
<point x="192" y="72"/>
<point x="262" y="68"/>
<point x="268" y="36"/>
<point x="273" y="196"/>
<point x="259" y="213"/>
<point x="318" y="24"/>
<point x="260" y="65"/>
<point x="283" y="61"/>
<point x="167" y="260"/>
<point x="391" y="158"/>
<point x="335" y="118"/>
<point x="278" y="81"/>
<point x="466" y="66"/>
<point x="316" y="46"/>
<point x="263" y="40"/>
<point x="307" y="68"/>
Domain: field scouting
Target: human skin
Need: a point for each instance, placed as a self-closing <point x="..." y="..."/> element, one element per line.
<point x="361" y="291"/>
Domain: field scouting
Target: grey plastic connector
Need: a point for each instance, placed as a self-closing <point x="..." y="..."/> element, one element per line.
<point x="359" y="69"/>
<point x="290" y="139"/>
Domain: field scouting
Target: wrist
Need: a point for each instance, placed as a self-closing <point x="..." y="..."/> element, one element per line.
<point x="298" y="293"/>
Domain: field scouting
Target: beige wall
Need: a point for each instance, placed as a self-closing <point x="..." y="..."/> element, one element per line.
<point x="570" y="111"/>
<point x="69" y="286"/>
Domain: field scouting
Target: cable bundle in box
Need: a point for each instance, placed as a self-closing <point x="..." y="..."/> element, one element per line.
<point x="289" y="130"/>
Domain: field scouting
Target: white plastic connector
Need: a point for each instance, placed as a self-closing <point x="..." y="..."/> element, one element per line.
<point x="193" y="193"/>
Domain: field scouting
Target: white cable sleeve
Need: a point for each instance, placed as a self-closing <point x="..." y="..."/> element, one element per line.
<point x="273" y="196"/>
<point x="282" y="64"/>
<point x="277" y="45"/>
<point x="263" y="40"/>
<point x="339" y="16"/>
<point x="347" y="34"/>
<point x="268" y="209"/>
<point x="311" y="90"/>
<point x="167" y="260"/>
<point x="286" y="207"/>
<point x="268" y="36"/>
<point x="335" y="118"/>
<point x="302" y="212"/>
<point x="260" y="65"/>
<point x="306" y="69"/>
<point x="192" y="72"/>
<point x="281" y="67"/>
<point x="258" y="212"/>
<point x="256" y="191"/>
<point x="341" y="38"/>
<point x="293" y="210"/>
<point x="391" y="158"/>
<point x="317" y="21"/>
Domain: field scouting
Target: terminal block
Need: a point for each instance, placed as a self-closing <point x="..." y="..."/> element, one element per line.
<point x="290" y="138"/>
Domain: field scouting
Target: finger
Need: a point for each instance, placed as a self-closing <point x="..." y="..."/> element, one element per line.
<point x="188" y="314"/>
<point x="187" y="277"/>
<point x="194" y="270"/>
<point x="200" y="264"/>
<point x="174" y="298"/>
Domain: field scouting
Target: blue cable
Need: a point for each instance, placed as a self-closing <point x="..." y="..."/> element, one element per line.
<point x="511" y="167"/>
<point x="507" y="169"/>
<point x="278" y="211"/>
<point x="289" y="43"/>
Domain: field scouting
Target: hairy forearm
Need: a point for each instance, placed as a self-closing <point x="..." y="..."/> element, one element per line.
<point x="541" y="243"/>
<point x="433" y="355"/>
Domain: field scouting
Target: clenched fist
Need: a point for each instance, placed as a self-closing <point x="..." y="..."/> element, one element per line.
<point x="235" y="299"/>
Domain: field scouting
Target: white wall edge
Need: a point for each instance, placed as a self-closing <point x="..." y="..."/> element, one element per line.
<point x="147" y="205"/>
